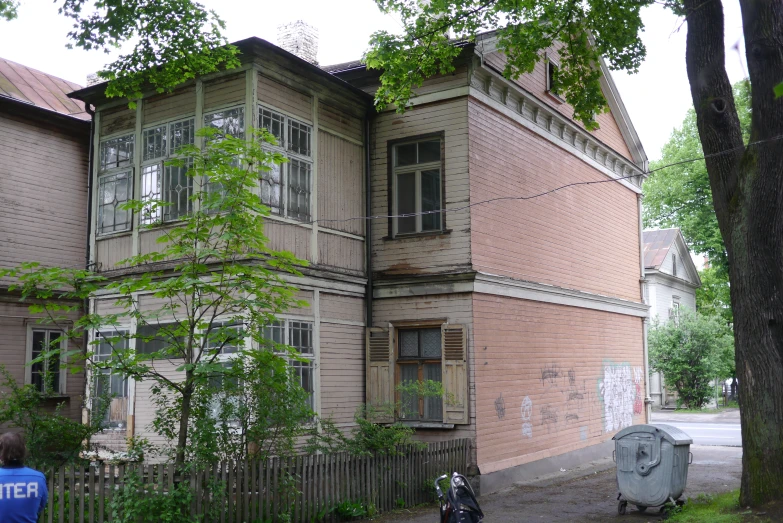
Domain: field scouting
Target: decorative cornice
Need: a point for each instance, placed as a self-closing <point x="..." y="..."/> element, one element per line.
<point x="491" y="88"/>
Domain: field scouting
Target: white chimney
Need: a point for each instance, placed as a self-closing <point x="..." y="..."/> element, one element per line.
<point x="299" y="38"/>
<point x="93" y="79"/>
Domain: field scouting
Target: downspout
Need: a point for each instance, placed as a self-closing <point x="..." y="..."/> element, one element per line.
<point x="87" y="264"/>
<point x="645" y="320"/>
<point x="368" y="213"/>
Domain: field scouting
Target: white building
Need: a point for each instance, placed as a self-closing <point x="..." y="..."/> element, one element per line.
<point x="672" y="280"/>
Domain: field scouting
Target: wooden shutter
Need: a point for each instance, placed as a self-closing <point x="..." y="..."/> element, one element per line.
<point x="380" y="374"/>
<point x="455" y="373"/>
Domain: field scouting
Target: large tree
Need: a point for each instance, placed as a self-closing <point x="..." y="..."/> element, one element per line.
<point x="163" y="42"/>
<point x="747" y="189"/>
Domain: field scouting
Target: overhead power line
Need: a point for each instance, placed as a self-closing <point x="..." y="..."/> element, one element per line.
<point x="539" y="195"/>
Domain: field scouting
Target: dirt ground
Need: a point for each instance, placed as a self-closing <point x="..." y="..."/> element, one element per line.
<point x="592" y="496"/>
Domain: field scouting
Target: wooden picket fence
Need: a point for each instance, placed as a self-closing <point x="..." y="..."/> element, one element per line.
<point x="307" y="488"/>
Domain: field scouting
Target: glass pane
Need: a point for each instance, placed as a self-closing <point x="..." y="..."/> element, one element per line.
<point x="430" y="343"/>
<point x="410" y="402"/>
<point x="181" y="133"/>
<point x="156" y="338"/>
<point x="150" y="194"/>
<point x="299" y="190"/>
<point x="409" y="344"/>
<point x="113" y="191"/>
<point x="226" y="336"/>
<point x="271" y="187"/>
<point x="406" y="202"/>
<point x="272" y="122"/>
<point x="274" y="333"/>
<point x="116" y="152"/>
<point x="177" y="191"/>
<point x="430" y="199"/>
<point x="301" y="336"/>
<point x="299" y="137"/>
<point x="153" y="143"/>
<point x="230" y="122"/>
<point x="433" y="405"/>
<point x="406" y="154"/>
<point x="429" y="151"/>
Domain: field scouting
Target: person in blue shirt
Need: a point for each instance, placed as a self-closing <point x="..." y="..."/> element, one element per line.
<point x="22" y="490"/>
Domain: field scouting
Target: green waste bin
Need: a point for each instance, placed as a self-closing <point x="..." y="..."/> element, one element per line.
<point x="652" y="465"/>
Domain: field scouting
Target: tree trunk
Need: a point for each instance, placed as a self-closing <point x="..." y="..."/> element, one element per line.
<point x="747" y="189"/>
<point x="182" y="440"/>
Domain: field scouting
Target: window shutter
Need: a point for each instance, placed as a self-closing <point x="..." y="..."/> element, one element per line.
<point x="455" y="373"/>
<point x="380" y="374"/>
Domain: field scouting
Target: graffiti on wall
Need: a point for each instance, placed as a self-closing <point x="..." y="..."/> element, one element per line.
<point x="638" y="402"/>
<point x="527" y="413"/>
<point x="619" y="391"/>
<point x="500" y="407"/>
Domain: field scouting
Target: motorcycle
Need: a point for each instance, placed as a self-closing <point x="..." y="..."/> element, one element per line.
<point x="459" y="504"/>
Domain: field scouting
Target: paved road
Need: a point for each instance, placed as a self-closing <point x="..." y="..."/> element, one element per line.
<point x="726" y="434"/>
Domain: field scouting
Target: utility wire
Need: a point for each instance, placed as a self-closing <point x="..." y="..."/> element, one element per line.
<point x="545" y="193"/>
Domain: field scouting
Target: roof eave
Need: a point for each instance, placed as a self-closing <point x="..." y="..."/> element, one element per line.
<point x="22" y="107"/>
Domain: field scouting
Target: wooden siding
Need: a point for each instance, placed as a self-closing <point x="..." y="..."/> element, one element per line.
<point x="106" y="306"/>
<point x="342" y="358"/>
<point x="14" y="319"/>
<point x="289" y="237"/>
<point x="454" y="308"/>
<point x="551" y="379"/>
<point x="340" y="183"/>
<point x="442" y="82"/>
<point x="43" y="194"/>
<point x="171" y="106"/>
<point x="117" y="119"/>
<point x="144" y="405"/>
<point x="584" y="238"/>
<point x="148" y="240"/>
<point x="426" y="253"/>
<point x="336" y="120"/>
<point x="284" y="98"/>
<point x="110" y="251"/>
<point x="535" y="83"/>
<point x="341" y="252"/>
<point x="223" y="92"/>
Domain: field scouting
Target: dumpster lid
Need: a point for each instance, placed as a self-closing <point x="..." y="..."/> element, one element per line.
<point x="674" y="435"/>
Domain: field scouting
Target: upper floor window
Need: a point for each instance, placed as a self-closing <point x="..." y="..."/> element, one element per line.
<point x="45" y="375"/>
<point x="166" y="183"/>
<point x="674" y="264"/>
<point x="417" y="186"/>
<point x="115" y="184"/>
<point x="228" y="122"/>
<point x="287" y="188"/>
<point x="552" y="70"/>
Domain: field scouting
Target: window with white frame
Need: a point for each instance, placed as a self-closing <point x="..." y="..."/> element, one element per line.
<point x="111" y="387"/>
<point x="115" y="184"/>
<point x="226" y="339"/>
<point x="552" y="71"/>
<point x="166" y="183"/>
<point x="419" y="360"/>
<point x="417" y="186"/>
<point x="46" y="375"/>
<point x="299" y="335"/>
<point x="157" y="338"/>
<point x="227" y="122"/>
<point x="674" y="264"/>
<point x="287" y="188"/>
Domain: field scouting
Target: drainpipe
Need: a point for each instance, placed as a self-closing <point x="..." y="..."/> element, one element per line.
<point x="91" y="112"/>
<point x="645" y="321"/>
<point x="368" y="212"/>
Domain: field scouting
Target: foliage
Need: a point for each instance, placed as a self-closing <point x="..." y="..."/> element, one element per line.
<point x="51" y="437"/>
<point x="713" y="298"/>
<point x="721" y="508"/>
<point x="680" y="195"/>
<point x="690" y="352"/>
<point x="212" y="286"/>
<point x="170" y="41"/>
<point x="257" y="408"/>
<point x="587" y="31"/>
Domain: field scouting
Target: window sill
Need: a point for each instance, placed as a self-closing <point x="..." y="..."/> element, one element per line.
<point x="56" y="397"/>
<point x="556" y="97"/>
<point x="109" y="235"/>
<point x="427" y="425"/>
<point x="419" y="235"/>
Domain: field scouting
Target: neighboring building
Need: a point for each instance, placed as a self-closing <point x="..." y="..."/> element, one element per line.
<point x="44" y="147"/>
<point x="530" y="312"/>
<point x="671" y="282"/>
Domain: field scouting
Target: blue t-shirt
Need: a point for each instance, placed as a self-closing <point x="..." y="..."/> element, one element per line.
<point x="22" y="494"/>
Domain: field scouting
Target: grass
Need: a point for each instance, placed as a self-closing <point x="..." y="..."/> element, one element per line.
<point x="720" y="508"/>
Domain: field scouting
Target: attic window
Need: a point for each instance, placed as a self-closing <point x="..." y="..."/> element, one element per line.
<point x="674" y="264"/>
<point x="552" y="70"/>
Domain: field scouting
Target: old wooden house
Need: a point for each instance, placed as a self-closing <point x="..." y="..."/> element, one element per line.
<point x="44" y="147"/>
<point x="528" y="310"/>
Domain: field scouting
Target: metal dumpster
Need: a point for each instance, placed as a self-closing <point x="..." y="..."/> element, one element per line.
<point x="652" y="465"/>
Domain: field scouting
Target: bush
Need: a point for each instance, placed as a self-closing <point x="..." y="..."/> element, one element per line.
<point x="690" y="352"/>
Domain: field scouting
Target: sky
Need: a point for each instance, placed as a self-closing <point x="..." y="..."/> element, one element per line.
<point x="657" y="97"/>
